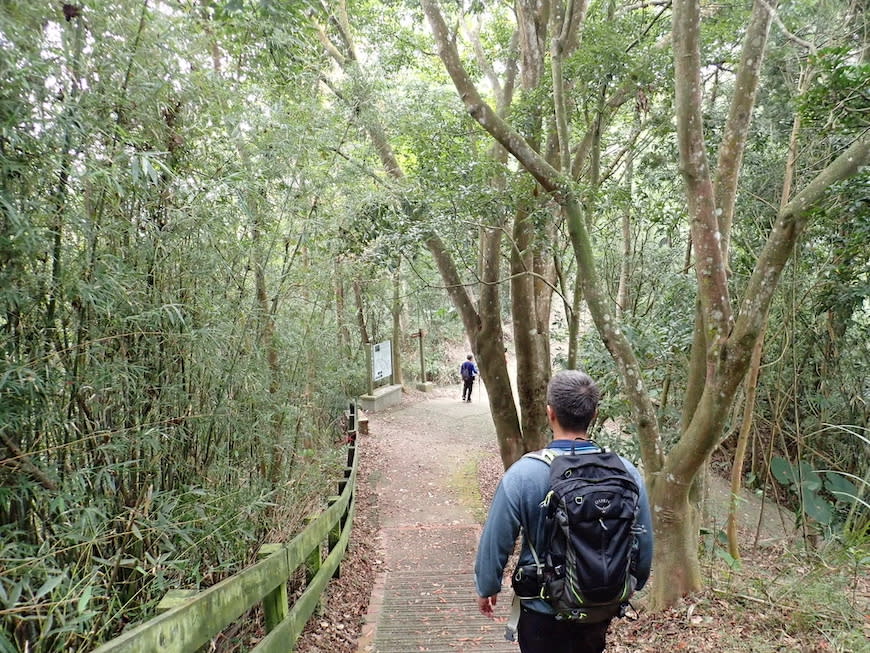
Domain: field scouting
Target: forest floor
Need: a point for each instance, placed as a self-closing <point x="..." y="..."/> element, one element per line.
<point x="775" y="600"/>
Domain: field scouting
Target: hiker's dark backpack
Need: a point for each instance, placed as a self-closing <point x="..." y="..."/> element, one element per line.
<point x="592" y="506"/>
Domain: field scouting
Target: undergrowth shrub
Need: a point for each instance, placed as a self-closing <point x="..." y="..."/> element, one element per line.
<point x="98" y="566"/>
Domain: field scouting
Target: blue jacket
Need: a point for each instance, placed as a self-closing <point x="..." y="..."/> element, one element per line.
<point x="468" y="368"/>
<point x="516" y="505"/>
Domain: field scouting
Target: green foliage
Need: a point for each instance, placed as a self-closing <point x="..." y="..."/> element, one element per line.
<point x="658" y="323"/>
<point x="715" y="545"/>
<point x="838" y="99"/>
<point x="825" y="497"/>
<point x="183" y="212"/>
<point x="817" y="341"/>
<point x="154" y="427"/>
<point x="825" y="597"/>
<point x="96" y="561"/>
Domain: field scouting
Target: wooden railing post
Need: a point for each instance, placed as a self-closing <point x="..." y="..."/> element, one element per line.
<point x="314" y="560"/>
<point x="351" y="418"/>
<point x="335" y="534"/>
<point x="313" y="563"/>
<point x="275" y="607"/>
<point x="351" y="430"/>
<point x="343" y="482"/>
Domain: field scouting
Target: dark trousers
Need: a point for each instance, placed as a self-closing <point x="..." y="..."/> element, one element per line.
<point x="541" y="633"/>
<point x="466" y="388"/>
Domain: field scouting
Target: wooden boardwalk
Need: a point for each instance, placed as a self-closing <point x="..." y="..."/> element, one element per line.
<point x="425" y="600"/>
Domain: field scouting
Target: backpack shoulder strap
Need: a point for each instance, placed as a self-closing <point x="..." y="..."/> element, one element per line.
<point x="546" y="455"/>
<point x="549" y="455"/>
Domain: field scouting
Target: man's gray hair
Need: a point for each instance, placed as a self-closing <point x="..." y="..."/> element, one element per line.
<point x="574" y="398"/>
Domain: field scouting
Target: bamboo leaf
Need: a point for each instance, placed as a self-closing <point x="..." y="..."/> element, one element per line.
<point x="15" y="594"/>
<point x="84" y="599"/>
<point x="48" y="586"/>
<point x="6" y="646"/>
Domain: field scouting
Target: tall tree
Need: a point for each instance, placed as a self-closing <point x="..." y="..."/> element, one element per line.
<point x="526" y="222"/>
<point x="726" y="342"/>
<point x="481" y="318"/>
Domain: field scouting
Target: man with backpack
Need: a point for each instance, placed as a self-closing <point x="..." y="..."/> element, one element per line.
<point x="468" y="371"/>
<point x="587" y="532"/>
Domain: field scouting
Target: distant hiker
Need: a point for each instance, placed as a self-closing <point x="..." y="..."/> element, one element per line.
<point x="468" y="371"/>
<point x="529" y="498"/>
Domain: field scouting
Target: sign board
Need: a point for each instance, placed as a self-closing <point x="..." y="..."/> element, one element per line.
<point x="382" y="360"/>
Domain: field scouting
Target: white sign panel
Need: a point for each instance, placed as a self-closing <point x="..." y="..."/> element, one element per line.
<point x="382" y="360"/>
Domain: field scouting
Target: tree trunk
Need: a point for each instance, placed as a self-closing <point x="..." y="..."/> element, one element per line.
<point x="532" y="371"/>
<point x="397" y="324"/>
<point x="622" y="298"/>
<point x="484" y="332"/>
<point x="574" y="325"/>
<point x="676" y="541"/>
<point x="364" y="337"/>
<point x="697" y="371"/>
<point x="740" y="114"/>
<point x="529" y="301"/>
<point x="542" y="285"/>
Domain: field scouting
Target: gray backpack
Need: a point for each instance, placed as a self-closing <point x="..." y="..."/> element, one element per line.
<point x="584" y="571"/>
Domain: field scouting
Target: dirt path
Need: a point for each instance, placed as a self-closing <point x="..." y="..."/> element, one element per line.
<point x="427" y="469"/>
<point x="425" y="479"/>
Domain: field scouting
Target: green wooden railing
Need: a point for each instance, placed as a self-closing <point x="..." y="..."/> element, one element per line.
<point x="192" y="618"/>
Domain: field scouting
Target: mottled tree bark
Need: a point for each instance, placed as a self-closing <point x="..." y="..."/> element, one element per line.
<point x="533" y="363"/>
<point x="739" y="117"/>
<point x="364" y="337"/>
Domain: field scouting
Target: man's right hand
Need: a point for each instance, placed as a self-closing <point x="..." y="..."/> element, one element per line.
<point x="486" y="604"/>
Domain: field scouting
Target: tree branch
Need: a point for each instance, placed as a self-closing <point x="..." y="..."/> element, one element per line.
<point x="739" y="116"/>
<point x="771" y="8"/>
<point x="709" y="268"/>
<point x="454" y="286"/>
<point x="542" y="171"/>
<point x="551" y="180"/>
<point x="790" y="222"/>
